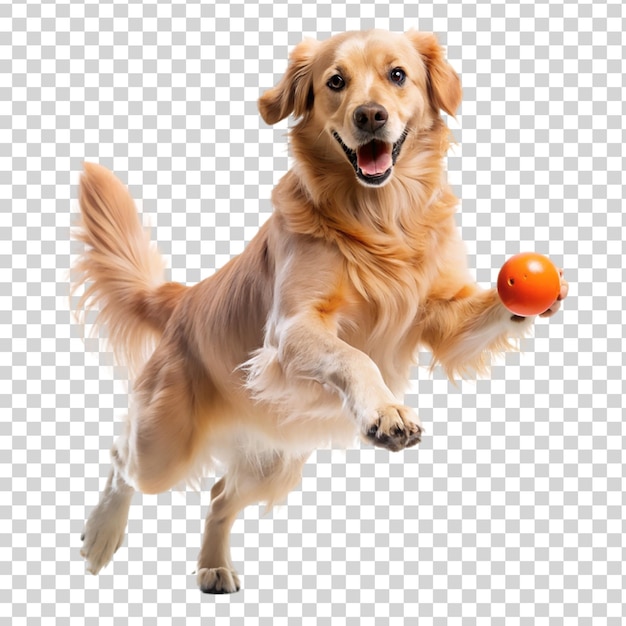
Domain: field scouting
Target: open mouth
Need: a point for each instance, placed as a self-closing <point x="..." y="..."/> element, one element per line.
<point x="373" y="161"/>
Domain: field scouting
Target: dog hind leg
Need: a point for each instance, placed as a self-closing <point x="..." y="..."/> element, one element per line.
<point x="156" y="451"/>
<point x="244" y="484"/>
<point x="173" y="408"/>
<point x="104" y="530"/>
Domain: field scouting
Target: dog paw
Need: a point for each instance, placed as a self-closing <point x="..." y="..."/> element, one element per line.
<point x="396" y="427"/>
<point x="218" y="580"/>
<point x="100" y="543"/>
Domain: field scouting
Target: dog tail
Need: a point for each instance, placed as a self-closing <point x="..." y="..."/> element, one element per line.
<point x="120" y="271"/>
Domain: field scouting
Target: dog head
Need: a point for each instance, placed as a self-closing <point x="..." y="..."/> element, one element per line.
<point x="363" y="94"/>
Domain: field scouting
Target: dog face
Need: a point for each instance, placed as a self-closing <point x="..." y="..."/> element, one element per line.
<point x="365" y="93"/>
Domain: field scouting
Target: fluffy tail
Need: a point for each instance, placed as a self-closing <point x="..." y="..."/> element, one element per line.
<point x="121" y="272"/>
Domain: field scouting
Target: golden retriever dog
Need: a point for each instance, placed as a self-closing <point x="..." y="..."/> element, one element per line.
<point x="306" y="338"/>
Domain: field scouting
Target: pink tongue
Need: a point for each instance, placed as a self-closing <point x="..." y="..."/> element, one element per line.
<point x="374" y="158"/>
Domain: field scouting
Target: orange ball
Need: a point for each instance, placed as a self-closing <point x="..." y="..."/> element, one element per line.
<point x="528" y="284"/>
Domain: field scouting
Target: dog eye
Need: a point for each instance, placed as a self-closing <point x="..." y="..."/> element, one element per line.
<point x="336" y="82"/>
<point x="397" y="76"/>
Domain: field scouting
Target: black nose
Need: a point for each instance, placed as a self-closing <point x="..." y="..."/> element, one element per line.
<point x="370" y="117"/>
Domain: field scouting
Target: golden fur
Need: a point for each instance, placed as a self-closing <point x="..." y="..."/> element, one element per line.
<point x="306" y="338"/>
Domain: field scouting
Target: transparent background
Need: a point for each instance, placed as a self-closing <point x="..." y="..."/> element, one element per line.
<point x="512" y="510"/>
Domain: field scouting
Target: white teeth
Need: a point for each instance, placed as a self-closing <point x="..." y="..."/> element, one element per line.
<point x="373" y="180"/>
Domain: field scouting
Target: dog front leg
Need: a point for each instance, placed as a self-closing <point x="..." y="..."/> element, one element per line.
<point x="310" y="350"/>
<point x="464" y="333"/>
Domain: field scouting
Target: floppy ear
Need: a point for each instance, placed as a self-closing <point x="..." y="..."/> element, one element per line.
<point x="444" y="85"/>
<point x="294" y="92"/>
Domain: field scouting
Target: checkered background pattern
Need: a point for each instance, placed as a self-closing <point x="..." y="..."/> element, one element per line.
<point x="512" y="510"/>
